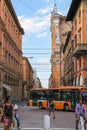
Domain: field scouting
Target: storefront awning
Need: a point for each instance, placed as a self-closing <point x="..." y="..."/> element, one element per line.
<point x="7" y="87"/>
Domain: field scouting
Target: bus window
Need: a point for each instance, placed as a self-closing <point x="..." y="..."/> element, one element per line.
<point x="75" y="98"/>
<point x="66" y="95"/>
<point x="84" y="97"/>
<point x="55" y="94"/>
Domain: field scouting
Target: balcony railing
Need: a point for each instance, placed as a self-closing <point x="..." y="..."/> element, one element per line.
<point x="81" y="49"/>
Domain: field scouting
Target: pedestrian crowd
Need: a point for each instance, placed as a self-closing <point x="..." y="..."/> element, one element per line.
<point x="8" y="113"/>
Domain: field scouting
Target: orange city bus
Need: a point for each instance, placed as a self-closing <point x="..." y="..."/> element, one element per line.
<point x="65" y="97"/>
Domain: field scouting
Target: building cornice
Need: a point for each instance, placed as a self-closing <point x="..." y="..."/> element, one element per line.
<point x="12" y="11"/>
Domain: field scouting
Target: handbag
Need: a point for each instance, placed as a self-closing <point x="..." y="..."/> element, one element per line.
<point x="2" y="118"/>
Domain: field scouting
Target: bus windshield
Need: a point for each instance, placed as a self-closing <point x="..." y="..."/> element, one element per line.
<point x="84" y="97"/>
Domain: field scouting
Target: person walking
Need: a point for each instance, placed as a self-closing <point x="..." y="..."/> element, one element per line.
<point x="80" y="110"/>
<point x="51" y="107"/>
<point x="16" y="116"/>
<point x="7" y="113"/>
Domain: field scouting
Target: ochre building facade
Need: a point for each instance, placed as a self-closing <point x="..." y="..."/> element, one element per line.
<point x="75" y="48"/>
<point x="10" y="51"/>
<point x="27" y="77"/>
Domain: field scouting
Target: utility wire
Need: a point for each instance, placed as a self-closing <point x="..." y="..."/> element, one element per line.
<point x="26" y="5"/>
<point x="37" y="53"/>
<point x="36" y="48"/>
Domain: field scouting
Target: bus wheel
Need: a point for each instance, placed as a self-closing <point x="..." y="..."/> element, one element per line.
<point x="66" y="107"/>
<point x="40" y="105"/>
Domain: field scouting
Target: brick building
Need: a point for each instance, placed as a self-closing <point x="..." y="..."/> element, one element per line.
<point x="10" y="51"/>
<point x="65" y="28"/>
<point x="27" y="73"/>
<point x="56" y="20"/>
<point x="75" y="48"/>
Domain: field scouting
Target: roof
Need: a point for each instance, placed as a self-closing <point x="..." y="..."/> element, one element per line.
<point x="72" y="10"/>
<point x="60" y="88"/>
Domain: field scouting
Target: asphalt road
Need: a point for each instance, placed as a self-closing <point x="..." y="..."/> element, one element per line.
<point x="32" y="117"/>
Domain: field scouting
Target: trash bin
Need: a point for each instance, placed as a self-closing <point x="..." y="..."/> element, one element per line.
<point x="46" y="122"/>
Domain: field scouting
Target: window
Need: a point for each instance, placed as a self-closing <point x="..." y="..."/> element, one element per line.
<point x="84" y="97"/>
<point x="66" y="95"/>
<point x="75" y="25"/>
<point x="80" y="63"/>
<point x="79" y="16"/>
<point x="75" y="40"/>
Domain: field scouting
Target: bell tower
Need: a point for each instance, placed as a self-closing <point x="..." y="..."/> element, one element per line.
<point x="55" y="38"/>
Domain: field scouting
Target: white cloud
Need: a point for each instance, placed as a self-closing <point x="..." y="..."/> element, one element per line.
<point x="42" y="35"/>
<point x="43" y="61"/>
<point x="37" y="24"/>
<point x="45" y="10"/>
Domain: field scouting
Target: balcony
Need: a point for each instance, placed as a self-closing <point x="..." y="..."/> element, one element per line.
<point x="80" y="50"/>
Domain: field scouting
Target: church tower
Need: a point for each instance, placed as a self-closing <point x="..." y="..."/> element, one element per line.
<point x="55" y="56"/>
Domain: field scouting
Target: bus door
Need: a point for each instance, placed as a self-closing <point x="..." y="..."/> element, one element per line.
<point x="84" y="98"/>
<point x="57" y="99"/>
<point x="34" y="97"/>
<point x="66" y="100"/>
<point x="75" y="98"/>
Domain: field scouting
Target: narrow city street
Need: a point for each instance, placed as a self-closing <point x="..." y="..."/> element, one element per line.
<point x="43" y="62"/>
<point x="33" y="118"/>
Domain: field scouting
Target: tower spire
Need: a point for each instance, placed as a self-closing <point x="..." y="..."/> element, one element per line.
<point x="54" y="8"/>
<point x="54" y="2"/>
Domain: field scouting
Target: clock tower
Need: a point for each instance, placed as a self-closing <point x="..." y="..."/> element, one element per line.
<point x="55" y="38"/>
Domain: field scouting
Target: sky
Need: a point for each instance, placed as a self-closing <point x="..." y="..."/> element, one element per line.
<point x="34" y="17"/>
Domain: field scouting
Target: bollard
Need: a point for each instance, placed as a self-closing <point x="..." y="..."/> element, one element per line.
<point x="46" y="122"/>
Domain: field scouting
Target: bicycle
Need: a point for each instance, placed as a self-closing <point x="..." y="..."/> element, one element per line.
<point x="81" y="123"/>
